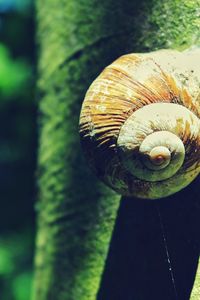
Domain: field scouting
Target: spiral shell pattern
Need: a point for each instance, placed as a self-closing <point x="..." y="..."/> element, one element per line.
<point x="139" y="123"/>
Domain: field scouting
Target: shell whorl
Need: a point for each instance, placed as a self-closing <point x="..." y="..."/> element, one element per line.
<point x="140" y="126"/>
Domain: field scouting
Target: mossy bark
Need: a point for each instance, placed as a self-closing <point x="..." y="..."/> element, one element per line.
<point x="76" y="214"/>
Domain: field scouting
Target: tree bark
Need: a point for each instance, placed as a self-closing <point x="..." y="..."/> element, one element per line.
<point x="76" y="213"/>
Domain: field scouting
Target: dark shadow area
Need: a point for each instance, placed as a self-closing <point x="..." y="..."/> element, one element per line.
<point x="137" y="266"/>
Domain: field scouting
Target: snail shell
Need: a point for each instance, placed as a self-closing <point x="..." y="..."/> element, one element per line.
<point x="140" y="126"/>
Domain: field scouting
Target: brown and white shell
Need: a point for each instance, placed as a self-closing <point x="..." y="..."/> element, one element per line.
<point x="139" y="123"/>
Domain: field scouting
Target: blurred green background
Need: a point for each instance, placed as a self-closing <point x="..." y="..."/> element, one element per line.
<point x="17" y="148"/>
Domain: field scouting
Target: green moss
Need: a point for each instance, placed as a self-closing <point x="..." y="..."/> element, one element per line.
<point x="170" y="24"/>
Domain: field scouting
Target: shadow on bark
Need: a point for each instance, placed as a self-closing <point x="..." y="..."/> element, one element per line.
<point x="137" y="266"/>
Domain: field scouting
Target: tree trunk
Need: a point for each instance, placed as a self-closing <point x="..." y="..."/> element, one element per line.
<point x="76" y="213"/>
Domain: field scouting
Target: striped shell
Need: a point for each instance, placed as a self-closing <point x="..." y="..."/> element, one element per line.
<point x="139" y="123"/>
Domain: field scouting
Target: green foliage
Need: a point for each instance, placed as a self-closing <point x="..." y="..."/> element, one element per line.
<point x="15" y="266"/>
<point x="13" y="73"/>
<point x="17" y="149"/>
<point x="22" y="286"/>
<point x="22" y="4"/>
<point x="19" y="5"/>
